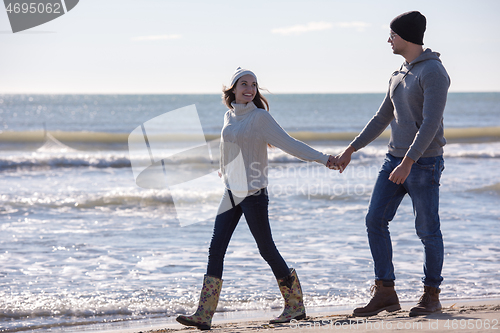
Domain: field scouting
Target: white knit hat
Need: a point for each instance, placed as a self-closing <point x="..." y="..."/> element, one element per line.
<point x="239" y="73"/>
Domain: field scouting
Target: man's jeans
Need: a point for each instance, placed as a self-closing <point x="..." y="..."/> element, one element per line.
<point x="423" y="187"/>
<point x="255" y="208"/>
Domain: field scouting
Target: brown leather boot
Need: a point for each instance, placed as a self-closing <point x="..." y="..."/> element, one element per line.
<point x="384" y="297"/>
<point x="428" y="303"/>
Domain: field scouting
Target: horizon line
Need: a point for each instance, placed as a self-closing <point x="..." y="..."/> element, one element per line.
<point x="218" y="93"/>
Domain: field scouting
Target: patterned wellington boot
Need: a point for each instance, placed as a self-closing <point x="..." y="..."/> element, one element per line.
<point x="294" y="302"/>
<point x="209" y="298"/>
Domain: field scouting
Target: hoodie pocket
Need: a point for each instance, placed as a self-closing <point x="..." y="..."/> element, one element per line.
<point x="403" y="133"/>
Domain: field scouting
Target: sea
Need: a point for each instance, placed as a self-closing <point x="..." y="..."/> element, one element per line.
<point x="83" y="244"/>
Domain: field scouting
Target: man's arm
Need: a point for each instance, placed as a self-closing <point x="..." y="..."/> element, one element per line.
<point x="372" y="130"/>
<point x="376" y="125"/>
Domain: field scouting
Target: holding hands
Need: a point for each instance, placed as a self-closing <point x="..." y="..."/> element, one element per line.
<point x="397" y="176"/>
<point x="332" y="163"/>
<point x="341" y="161"/>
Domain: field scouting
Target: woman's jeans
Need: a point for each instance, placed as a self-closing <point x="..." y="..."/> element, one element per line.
<point x="422" y="185"/>
<point x="254" y="207"/>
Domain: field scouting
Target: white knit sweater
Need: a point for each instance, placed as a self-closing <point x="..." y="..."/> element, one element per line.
<point x="246" y="132"/>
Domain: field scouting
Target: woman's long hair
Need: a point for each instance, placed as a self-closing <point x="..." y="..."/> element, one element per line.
<point x="228" y="97"/>
<point x="260" y="101"/>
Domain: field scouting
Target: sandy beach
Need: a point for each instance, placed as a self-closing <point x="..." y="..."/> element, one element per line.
<point x="456" y="316"/>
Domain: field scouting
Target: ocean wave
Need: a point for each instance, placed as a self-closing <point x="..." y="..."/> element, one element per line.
<point x="122" y="160"/>
<point x="473" y="150"/>
<point x="132" y="198"/>
<point x="64" y="159"/>
<point x="61" y="157"/>
<point x="50" y="311"/>
<point x="126" y="198"/>
<point x="57" y="313"/>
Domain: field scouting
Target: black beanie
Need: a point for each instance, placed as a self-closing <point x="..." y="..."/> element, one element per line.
<point x="410" y="26"/>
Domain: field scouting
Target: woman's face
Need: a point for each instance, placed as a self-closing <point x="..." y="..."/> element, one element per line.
<point x="245" y="89"/>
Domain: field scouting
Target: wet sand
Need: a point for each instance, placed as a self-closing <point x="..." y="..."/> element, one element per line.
<point x="459" y="316"/>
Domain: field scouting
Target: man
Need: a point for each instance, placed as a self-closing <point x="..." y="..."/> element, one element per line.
<point x="414" y="107"/>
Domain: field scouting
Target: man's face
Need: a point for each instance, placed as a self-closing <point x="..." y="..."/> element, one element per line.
<point x="398" y="44"/>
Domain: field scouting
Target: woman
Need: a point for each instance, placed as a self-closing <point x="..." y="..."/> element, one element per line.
<point x="247" y="132"/>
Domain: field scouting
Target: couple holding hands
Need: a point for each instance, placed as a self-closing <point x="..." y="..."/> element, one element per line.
<point x="413" y="106"/>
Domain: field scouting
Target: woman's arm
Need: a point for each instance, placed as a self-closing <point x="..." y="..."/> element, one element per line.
<point x="275" y="135"/>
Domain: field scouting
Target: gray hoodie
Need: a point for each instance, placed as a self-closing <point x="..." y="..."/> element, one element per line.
<point x="413" y="106"/>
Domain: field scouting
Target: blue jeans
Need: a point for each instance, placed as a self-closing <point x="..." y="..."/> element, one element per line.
<point x="422" y="185"/>
<point x="255" y="208"/>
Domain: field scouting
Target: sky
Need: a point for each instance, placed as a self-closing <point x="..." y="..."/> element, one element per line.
<point x="165" y="47"/>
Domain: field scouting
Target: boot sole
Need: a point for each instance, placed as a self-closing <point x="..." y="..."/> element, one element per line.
<point x="190" y="323"/>
<point x="299" y="317"/>
<point x="390" y="308"/>
<point x="422" y="313"/>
